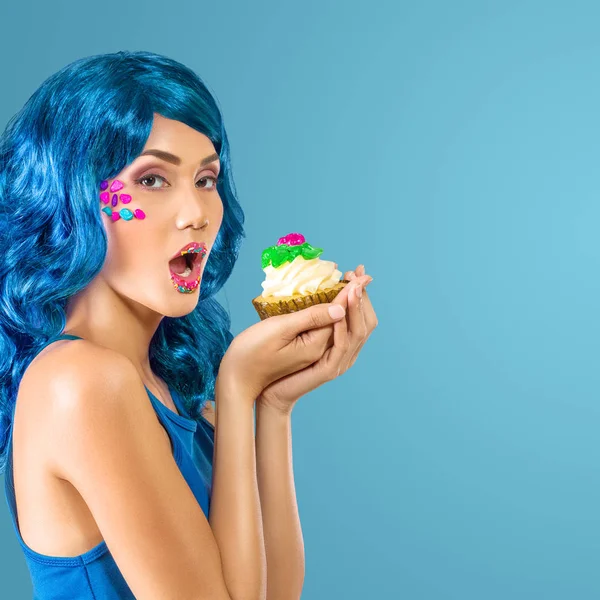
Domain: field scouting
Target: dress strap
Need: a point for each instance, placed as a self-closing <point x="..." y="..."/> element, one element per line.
<point x="63" y="336"/>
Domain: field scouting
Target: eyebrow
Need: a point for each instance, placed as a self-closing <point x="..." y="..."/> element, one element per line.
<point x="175" y="159"/>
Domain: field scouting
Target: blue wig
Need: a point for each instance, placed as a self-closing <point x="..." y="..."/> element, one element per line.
<point x="84" y="124"/>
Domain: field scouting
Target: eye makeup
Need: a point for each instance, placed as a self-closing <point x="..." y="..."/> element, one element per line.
<point x="154" y="167"/>
<point x="153" y="175"/>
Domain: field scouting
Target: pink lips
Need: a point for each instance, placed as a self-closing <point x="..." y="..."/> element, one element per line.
<point x="191" y="245"/>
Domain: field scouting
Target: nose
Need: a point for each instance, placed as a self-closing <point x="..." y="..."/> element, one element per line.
<point x="194" y="211"/>
<point x="196" y="223"/>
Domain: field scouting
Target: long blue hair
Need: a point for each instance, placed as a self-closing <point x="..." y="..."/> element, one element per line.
<point x="84" y="124"/>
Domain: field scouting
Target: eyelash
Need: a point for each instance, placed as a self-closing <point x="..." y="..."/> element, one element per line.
<point x="156" y="175"/>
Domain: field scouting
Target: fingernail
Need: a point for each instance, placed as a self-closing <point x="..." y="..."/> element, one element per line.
<point x="358" y="291"/>
<point x="336" y="311"/>
<point x="351" y="276"/>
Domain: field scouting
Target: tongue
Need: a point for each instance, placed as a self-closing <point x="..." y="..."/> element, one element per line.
<point x="178" y="265"/>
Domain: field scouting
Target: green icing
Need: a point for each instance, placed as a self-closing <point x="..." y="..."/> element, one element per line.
<point x="278" y="255"/>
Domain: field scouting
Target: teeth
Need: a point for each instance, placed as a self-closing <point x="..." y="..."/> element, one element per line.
<point x="186" y="272"/>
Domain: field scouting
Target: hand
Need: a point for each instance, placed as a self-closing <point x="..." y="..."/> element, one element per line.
<point x="341" y="350"/>
<point x="274" y="348"/>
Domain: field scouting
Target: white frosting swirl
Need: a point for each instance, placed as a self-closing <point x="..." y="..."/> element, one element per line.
<point x="301" y="276"/>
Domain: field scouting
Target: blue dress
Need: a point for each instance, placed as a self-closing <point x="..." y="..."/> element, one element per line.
<point x="94" y="575"/>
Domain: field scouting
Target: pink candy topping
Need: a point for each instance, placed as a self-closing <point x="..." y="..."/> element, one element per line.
<point x="291" y="239"/>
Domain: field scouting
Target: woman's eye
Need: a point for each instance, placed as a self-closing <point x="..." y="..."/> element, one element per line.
<point x="152" y="176"/>
<point x="213" y="179"/>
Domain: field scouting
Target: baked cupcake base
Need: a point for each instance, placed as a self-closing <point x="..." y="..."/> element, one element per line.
<point x="281" y="305"/>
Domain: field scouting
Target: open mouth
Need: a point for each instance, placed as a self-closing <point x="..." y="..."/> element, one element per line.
<point x="185" y="267"/>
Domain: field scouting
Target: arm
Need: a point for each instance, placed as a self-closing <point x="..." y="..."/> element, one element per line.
<point x="103" y="436"/>
<point x="235" y="516"/>
<point x="283" y="534"/>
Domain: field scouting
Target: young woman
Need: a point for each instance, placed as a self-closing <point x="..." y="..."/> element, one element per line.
<point x="128" y="483"/>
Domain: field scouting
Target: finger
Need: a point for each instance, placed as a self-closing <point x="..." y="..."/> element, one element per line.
<point x="350" y="275"/>
<point x="367" y="306"/>
<point x="357" y="326"/>
<point x="341" y="299"/>
<point x="371" y="323"/>
<point x="335" y="355"/>
<point x="342" y="296"/>
<point x="355" y="314"/>
<point x="361" y="332"/>
<point x="293" y="324"/>
<point x="345" y="292"/>
<point x="369" y="312"/>
<point x="322" y="338"/>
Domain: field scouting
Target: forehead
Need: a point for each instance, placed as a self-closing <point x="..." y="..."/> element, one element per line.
<point x="179" y="139"/>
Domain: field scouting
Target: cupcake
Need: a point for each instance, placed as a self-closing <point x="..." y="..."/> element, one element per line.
<point x="295" y="277"/>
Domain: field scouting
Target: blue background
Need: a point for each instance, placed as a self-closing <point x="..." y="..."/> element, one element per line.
<point x="453" y="148"/>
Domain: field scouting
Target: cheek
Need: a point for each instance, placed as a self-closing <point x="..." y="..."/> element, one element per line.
<point x="132" y="249"/>
<point x="124" y="239"/>
<point x="218" y="214"/>
<point x="117" y="203"/>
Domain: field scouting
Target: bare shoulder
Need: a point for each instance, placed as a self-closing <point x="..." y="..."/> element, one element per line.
<point x="107" y="441"/>
<point x="79" y="367"/>
<point x="65" y="388"/>
<point x="63" y="373"/>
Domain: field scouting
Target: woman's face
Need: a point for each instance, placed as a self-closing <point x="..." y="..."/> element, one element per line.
<point x="164" y="204"/>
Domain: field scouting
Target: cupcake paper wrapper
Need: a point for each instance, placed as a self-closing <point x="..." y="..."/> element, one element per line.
<point x="272" y="306"/>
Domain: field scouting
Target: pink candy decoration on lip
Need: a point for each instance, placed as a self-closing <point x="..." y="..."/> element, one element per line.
<point x="116" y="185"/>
<point x="292" y="239"/>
